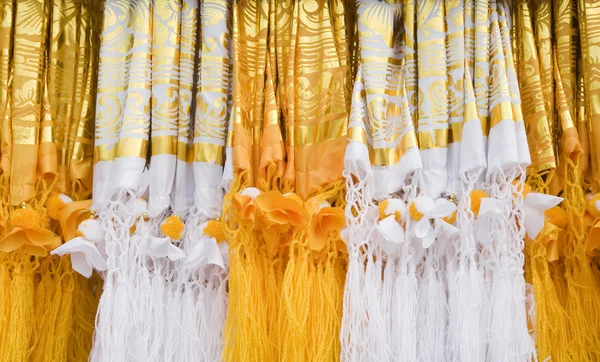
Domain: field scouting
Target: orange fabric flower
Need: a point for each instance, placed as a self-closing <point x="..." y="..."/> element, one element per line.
<point x="35" y="241"/>
<point x="71" y="215"/>
<point x="550" y="237"/>
<point x="324" y="222"/>
<point x="593" y="242"/>
<point x="279" y="214"/>
<point x="247" y="208"/>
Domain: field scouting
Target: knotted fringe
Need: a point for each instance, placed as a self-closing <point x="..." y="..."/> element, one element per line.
<point x="254" y="284"/>
<point x="465" y="284"/>
<point x="36" y="327"/>
<point x="432" y="319"/>
<point x="312" y="290"/>
<point x="195" y="303"/>
<point x="381" y="291"/>
<point x="506" y="318"/>
<point x="354" y="331"/>
<point x="149" y="322"/>
<point x="582" y="293"/>
<point x="549" y="322"/>
<point x="116" y="312"/>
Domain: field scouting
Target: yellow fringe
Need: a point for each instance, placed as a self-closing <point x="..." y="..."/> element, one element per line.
<point x="583" y="295"/>
<point x="85" y="300"/>
<point x="313" y="291"/>
<point x="550" y="317"/>
<point x="37" y="297"/>
<point x="17" y="336"/>
<point x="249" y="329"/>
<point x="53" y="310"/>
<point x="5" y="281"/>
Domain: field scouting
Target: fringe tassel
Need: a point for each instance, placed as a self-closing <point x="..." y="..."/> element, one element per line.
<point x="583" y="295"/>
<point x="53" y="310"/>
<point x="85" y="301"/>
<point x="5" y="307"/>
<point x="465" y="285"/>
<point x="506" y="318"/>
<point x="251" y="324"/>
<point x="311" y="309"/>
<point x="549" y="322"/>
<point x="433" y="308"/>
<point x="22" y="313"/>
<point x="111" y="336"/>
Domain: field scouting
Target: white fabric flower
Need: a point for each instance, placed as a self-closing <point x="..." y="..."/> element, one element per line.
<point x="164" y="248"/>
<point x="534" y="206"/>
<point x="433" y="211"/>
<point x="206" y="251"/>
<point x="391" y="233"/>
<point x="84" y="256"/>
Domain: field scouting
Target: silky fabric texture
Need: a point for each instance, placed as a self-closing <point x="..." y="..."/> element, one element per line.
<point x="48" y="84"/>
<point x="162" y="122"/>
<point x="291" y="98"/>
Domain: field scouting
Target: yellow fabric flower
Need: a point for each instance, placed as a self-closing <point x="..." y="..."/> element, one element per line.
<point x="326" y="221"/>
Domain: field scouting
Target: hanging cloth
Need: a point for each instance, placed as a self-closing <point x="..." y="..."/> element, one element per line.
<point x="382" y="164"/>
<point x="46" y="85"/>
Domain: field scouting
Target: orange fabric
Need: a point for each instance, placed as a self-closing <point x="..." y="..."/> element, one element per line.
<point x="35" y="241"/>
<point x="326" y="221"/>
<point x="319" y="164"/>
<point x="48" y="161"/>
<point x="593" y="242"/>
<point x="71" y="215"/>
<point x="279" y="213"/>
<point x="23" y="173"/>
<point x="247" y="209"/>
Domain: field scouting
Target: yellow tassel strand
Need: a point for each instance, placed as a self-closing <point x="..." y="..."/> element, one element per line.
<point x="85" y="301"/>
<point x="54" y="310"/>
<point x="583" y="296"/>
<point x="312" y="292"/>
<point x="550" y="316"/>
<point x="19" y="328"/>
<point x="253" y="290"/>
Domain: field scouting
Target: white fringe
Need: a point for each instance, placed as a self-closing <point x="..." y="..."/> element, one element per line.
<point x="114" y="320"/>
<point x="506" y="318"/>
<point x="465" y="285"/>
<point x="380" y="299"/>
<point x="432" y="315"/>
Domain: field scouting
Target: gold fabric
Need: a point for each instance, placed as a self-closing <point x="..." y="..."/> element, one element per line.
<point x="535" y="111"/>
<point x="48" y="76"/>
